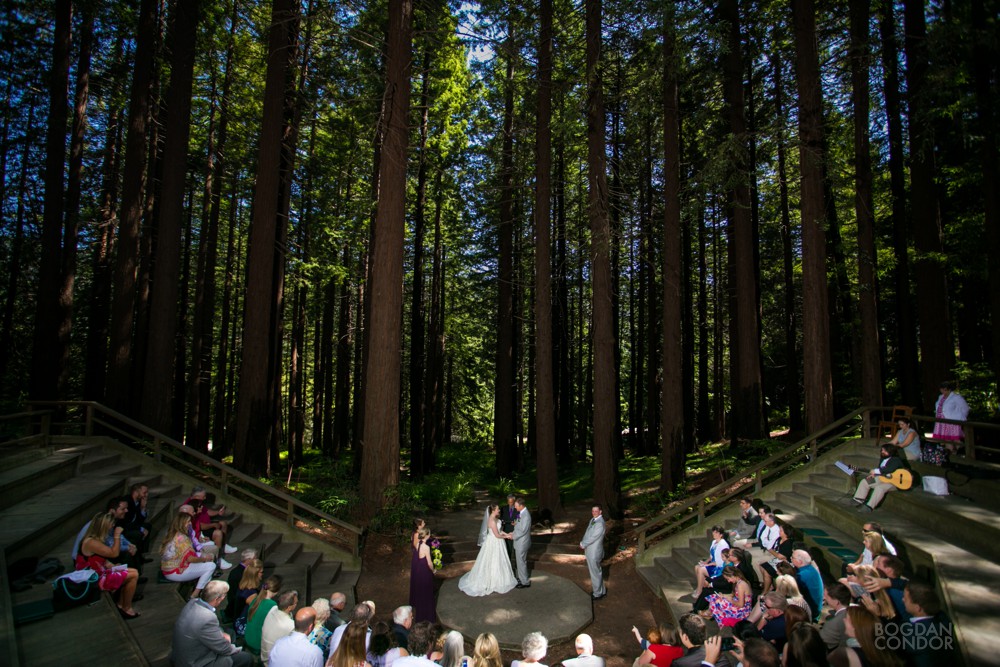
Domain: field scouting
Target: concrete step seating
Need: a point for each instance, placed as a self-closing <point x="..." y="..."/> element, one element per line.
<point x="46" y="498"/>
<point x="948" y="539"/>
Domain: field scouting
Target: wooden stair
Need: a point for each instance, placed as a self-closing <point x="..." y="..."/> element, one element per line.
<point x="47" y="498"/>
<point x="949" y="540"/>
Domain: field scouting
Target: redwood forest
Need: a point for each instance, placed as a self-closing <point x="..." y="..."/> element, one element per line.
<point x="566" y="231"/>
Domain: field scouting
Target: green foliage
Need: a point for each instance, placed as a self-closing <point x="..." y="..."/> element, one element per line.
<point x="978" y="385"/>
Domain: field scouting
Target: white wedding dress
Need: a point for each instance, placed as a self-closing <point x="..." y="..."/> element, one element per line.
<point x="492" y="572"/>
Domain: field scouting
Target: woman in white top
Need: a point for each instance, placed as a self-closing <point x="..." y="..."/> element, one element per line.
<point x="705" y="570"/>
<point x="534" y="646"/>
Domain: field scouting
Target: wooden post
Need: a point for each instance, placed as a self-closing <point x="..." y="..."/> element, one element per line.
<point x="291" y="513"/>
<point x="224" y="483"/>
<point x="866" y="423"/>
<point x="970" y="442"/>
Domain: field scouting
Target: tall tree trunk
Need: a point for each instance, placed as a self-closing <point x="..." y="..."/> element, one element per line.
<point x="793" y="390"/>
<point x="48" y="358"/>
<point x="14" y="269"/>
<point x="163" y="312"/>
<point x="672" y="424"/>
<point x="605" y="402"/>
<point x="222" y="431"/>
<point x="418" y="408"/>
<point x="706" y="427"/>
<point x="255" y="417"/>
<point x="747" y="400"/>
<point x="985" y="52"/>
<point x="937" y="350"/>
<point x="435" y="429"/>
<point x="562" y="324"/>
<point x="380" y="461"/>
<point x="199" y="397"/>
<point x="504" y="443"/>
<point x="545" y="426"/>
<point x="123" y="311"/>
<point x="345" y="350"/>
<point x="815" y="312"/>
<point x="871" y="376"/>
<point x="906" y="364"/>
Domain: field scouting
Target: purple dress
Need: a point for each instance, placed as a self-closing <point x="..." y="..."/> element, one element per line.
<point x="421" y="588"/>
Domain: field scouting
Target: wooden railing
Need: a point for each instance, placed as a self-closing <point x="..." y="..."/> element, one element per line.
<point x="89" y="418"/>
<point x="695" y="510"/>
<point x="25" y="428"/>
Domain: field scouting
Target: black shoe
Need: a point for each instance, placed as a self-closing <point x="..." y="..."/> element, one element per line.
<point x="601" y="596"/>
<point x="520" y="585"/>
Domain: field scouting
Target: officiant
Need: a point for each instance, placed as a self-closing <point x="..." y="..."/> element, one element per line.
<point x="508" y="516"/>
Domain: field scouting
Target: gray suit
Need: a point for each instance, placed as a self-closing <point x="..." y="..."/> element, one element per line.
<point x="198" y="640"/>
<point x="522" y="542"/>
<point x="593" y="546"/>
<point x="833" y="632"/>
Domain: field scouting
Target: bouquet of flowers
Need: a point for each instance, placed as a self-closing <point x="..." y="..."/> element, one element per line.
<point x="435" y="546"/>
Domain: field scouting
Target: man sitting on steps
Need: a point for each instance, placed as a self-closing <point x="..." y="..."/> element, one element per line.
<point x="206" y="522"/>
<point x="890" y="462"/>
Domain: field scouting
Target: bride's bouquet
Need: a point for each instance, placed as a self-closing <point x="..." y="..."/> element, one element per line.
<point x="435" y="546"/>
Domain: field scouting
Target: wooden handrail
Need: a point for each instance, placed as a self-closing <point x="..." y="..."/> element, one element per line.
<point x="720" y="493"/>
<point x="166" y="447"/>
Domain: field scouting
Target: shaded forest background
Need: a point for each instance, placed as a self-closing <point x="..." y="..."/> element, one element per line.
<point x="568" y="229"/>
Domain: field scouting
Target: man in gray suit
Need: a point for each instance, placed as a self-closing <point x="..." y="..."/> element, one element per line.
<point x="522" y="542"/>
<point x="593" y="546"/>
<point x="198" y="640"/>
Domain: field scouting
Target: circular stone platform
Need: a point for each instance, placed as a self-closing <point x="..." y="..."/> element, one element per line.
<point x="554" y="606"/>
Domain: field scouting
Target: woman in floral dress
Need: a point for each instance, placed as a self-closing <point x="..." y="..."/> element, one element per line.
<point x="728" y="609"/>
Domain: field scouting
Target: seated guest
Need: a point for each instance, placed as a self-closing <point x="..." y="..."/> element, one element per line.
<point x="706" y="569"/>
<point x="207" y="522"/>
<point x="746" y="525"/>
<point x="754" y="652"/>
<point x="863" y="649"/>
<point x="383" y="649"/>
<point x="863" y="576"/>
<point x="787" y="586"/>
<point x="202" y="547"/>
<point x="890" y="579"/>
<point x="664" y="646"/>
<point x="178" y="559"/>
<point x="454" y="650"/>
<point x="927" y="620"/>
<point x="837" y="598"/>
<point x="585" y="657"/>
<point x="772" y="623"/>
<point x="728" y="609"/>
<point x="762" y="512"/>
<point x="889" y="463"/>
<point x="198" y="639"/>
<point x="777" y="541"/>
<point x="337" y="603"/>
<point x="805" y="648"/>
<point x="362" y="614"/>
<point x="94" y="554"/>
<point x="794" y="616"/>
<point x="247" y="556"/>
<point x="278" y="623"/>
<point x="907" y="439"/>
<point x="127" y="549"/>
<point x="248" y="587"/>
<point x="351" y="652"/>
<point x="534" y="646"/>
<point x="693" y="636"/>
<point x="402" y="621"/>
<point x="258" y="610"/>
<point x="810" y="581"/>
<point x="295" y="649"/>
<point x="876" y="527"/>
<point x="133" y="557"/>
<point x="136" y="521"/>
<point x="873" y="547"/>
<point x="420" y="641"/>
<point x="487" y="651"/>
<point x="320" y="635"/>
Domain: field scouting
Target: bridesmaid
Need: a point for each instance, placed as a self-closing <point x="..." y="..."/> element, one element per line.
<point x="422" y="578"/>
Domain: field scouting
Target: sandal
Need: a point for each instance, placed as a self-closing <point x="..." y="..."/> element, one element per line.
<point x="127" y="616"/>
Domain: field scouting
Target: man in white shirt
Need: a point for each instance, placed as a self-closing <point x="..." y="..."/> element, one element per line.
<point x="278" y="623"/>
<point x="584" y="654"/>
<point x="295" y="650"/>
<point x="362" y="613"/>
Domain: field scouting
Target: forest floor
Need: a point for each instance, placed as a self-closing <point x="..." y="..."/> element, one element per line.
<point x="386" y="571"/>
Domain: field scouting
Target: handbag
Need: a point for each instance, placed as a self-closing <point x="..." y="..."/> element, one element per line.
<point x="67" y="593"/>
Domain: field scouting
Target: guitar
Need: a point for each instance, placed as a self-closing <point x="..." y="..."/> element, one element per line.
<point x="902" y="479"/>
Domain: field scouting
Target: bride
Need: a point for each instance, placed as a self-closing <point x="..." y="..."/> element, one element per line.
<point x="492" y="572"/>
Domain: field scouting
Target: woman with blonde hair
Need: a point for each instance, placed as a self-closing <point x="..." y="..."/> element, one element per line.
<point x="249" y="586"/>
<point x="857" y="582"/>
<point x="487" y="651"/>
<point x="787" y="586"/>
<point x="178" y="560"/>
<point x="351" y="652"/>
<point x="93" y="554"/>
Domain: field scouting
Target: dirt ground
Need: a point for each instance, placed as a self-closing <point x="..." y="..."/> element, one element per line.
<point x="385" y="580"/>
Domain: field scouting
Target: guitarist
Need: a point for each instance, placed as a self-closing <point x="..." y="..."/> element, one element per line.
<point x="890" y="462"/>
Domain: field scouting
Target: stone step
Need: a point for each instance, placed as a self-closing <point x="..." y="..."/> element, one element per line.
<point x="37" y="524"/>
<point x="97" y="463"/>
<point x="19" y="482"/>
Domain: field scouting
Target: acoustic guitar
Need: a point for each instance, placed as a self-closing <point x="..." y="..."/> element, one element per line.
<point x="902" y="479"/>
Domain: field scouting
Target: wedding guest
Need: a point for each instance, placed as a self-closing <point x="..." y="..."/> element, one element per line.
<point x="746" y="525"/>
<point x="419" y="644"/>
<point x="235" y="577"/>
<point x="663" y="647"/>
<point x="950" y="405"/>
<point x="694" y="637"/>
<point x="402" y="621"/>
<point x="320" y="635"/>
<point x="383" y="649"/>
<point x="352" y="651"/>
<point x="258" y="610"/>
<point x="809" y="579"/>
<point x="178" y="559"/>
<point x="337" y="603"/>
<point x="454" y="650"/>
<point x="889" y="462"/>
<point x="907" y="439"/>
<point x="279" y="623"/>
<point x="94" y="554"/>
<point x="534" y="646"/>
<point x="705" y="570"/>
<point x="295" y="649"/>
<point x="585" y="657"/>
<point x="837" y="598"/>
<point x="805" y="648"/>
<point x="198" y="640"/>
<point x="487" y="651"/>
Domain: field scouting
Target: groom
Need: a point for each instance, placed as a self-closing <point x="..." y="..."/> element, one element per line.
<point x="521" y="537"/>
